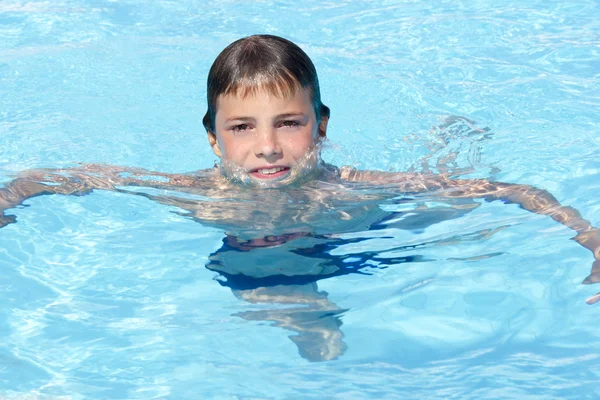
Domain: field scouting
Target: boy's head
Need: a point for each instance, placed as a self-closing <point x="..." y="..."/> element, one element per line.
<point x="261" y="62"/>
<point x="265" y="118"/>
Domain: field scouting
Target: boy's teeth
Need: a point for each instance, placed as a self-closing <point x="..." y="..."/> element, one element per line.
<point x="269" y="171"/>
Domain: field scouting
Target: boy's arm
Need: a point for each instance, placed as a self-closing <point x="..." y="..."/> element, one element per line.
<point x="21" y="189"/>
<point x="83" y="180"/>
<point x="527" y="197"/>
<point x="541" y="202"/>
<point x="531" y="199"/>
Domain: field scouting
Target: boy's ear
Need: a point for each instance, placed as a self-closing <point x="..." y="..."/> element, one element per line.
<point x="323" y="127"/>
<point x="214" y="144"/>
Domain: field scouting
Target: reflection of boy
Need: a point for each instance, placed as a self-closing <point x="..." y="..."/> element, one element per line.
<point x="269" y="271"/>
<point x="283" y="270"/>
<point x="265" y="121"/>
<point x="305" y="257"/>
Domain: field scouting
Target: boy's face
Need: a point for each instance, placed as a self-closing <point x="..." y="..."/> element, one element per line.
<point x="266" y="136"/>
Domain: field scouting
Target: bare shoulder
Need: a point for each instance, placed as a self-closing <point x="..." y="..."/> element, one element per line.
<point x="403" y="181"/>
<point x="446" y="186"/>
<point x="356" y="175"/>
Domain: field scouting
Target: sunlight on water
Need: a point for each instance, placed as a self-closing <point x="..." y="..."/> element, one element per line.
<point x="309" y="288"/>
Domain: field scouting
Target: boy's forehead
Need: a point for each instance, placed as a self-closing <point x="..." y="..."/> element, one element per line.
<point x="261" y="96"/>
<point x="262" y="88"/>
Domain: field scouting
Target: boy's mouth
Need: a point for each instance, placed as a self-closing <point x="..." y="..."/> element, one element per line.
<point x="270" y="172"/>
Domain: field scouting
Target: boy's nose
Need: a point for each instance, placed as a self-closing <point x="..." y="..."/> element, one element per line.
<point x="267" y="144"/>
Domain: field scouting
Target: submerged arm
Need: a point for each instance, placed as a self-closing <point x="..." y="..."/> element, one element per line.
<point x="21" y="189"/>
<point x="527" y="197"/>
<point x="541" y="202"/>
<point x="531" y="199"/>
<point x="83" y="180"/>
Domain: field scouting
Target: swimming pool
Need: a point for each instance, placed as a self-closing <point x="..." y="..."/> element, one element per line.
<point x="109" y="295"/>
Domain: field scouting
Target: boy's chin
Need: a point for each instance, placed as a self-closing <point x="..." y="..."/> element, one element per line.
<point x="281" y="180"/>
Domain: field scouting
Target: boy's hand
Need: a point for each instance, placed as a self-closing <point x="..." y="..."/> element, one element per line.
<point x="594" y="276"/>
<point x="590" y="239"/>
<point x="594" y="299"/>
<point x="6" y="219"/>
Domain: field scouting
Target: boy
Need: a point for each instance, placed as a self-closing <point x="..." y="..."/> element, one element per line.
<point x="266" y="122"/>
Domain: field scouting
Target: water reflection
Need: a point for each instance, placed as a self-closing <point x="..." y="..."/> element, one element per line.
<point x="279" y="243"/>
<point x="283" y="271"/>
<point x="314" y="319"/>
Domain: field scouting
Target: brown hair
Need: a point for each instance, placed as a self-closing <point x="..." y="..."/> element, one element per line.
<point x="261" y="62"/>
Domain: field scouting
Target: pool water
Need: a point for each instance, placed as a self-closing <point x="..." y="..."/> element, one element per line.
<point x="113" y="296"/>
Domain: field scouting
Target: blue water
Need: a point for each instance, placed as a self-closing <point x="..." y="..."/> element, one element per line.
<point x="109" y="295"/>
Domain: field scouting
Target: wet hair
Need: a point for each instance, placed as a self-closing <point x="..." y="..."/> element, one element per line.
<point x="261" y="62"/>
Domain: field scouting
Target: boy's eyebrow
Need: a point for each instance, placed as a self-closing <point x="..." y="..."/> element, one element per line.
<point x="289" y="115"/>
<point x="244" y="119"/>
<point x="277" y="117"/>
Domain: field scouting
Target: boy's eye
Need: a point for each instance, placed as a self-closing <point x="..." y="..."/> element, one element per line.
<point x="240" y="128"/>
<point x="290" y="123"/>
